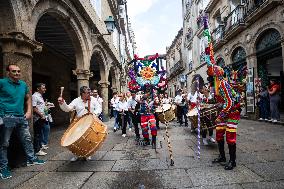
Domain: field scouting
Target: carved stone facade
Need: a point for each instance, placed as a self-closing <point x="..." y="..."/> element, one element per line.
<point x="246" y="33"/>
<point x="63" y="43"/>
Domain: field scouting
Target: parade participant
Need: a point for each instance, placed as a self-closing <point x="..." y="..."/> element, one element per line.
<point x="83" y="104"/>
<point x="39" y="118"/>
<point x="97" y="97"/>
<point x="122" y="108"/>
<point x="114" y="101"/>
<point x="204" y="96"/>
<point x="14" y="100"/>
<point x="166" y="99"/>
<point x="156" y="104"/>
<point x="178" y="101"/>
<point x="228" y="118"/>
<point x="133" y="109"/>
<point x="129" y="120"/>
<point x="147" y="117"/>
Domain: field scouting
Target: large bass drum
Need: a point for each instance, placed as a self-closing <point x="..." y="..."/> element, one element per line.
<point x="166" y="113"/>
<point x="84" y="135"/>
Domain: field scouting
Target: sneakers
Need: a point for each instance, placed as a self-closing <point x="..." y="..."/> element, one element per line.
<point x="89" y="158"/>
<point x="5" y="173"/>
<point x="205" y="142"/>
<point x="123" y="135"/>
<point x="41" y="153"/>
<point x="35" y="162"/>
<point x="130" y="129"/>
<point x="274" y="121"/>
<point x="75" y="158"/>
<point x="44" y="147"/>
<point x="265" y="119"/>
<point x="260" y="119"/>
<point x="115" y="129"/>
<point x="211" y="139"/>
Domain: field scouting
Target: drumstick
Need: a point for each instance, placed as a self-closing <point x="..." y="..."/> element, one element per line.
<point x="61" y="91"/>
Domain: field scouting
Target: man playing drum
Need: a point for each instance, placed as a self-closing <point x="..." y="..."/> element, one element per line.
<point x="82" y="105"/>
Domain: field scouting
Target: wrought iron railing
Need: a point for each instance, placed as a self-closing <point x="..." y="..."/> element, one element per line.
<point x="235" y="18"/>
<point x="177" y="67"/>
<point x="252" y="6"/>
<point x="218" y="34"/>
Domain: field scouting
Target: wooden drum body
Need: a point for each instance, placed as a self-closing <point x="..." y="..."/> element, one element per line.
<point x="169" y="111"/>
<point x="84" y="135"/>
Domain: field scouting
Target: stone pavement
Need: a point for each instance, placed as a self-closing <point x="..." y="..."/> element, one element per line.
<point x="119" y="163"/>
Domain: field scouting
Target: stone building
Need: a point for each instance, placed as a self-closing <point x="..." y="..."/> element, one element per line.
<point x="65" y="43"/>
<point x="175" y="65"/>
<point x="245" y="33"/>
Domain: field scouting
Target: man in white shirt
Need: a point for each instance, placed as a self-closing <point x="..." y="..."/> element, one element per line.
<point x="39" y="117"/>
<point x="99" y="100"/>
<point x="114" y="101"/>
<point x="84" y="104"/>
<point x="180" y="101"/>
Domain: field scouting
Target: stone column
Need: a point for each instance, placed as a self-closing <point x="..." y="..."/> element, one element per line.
<point x="250" y="101"/>
<point x="104" y="87"/>
<point x="17" y="48"/>
<point x="82" y="78"/>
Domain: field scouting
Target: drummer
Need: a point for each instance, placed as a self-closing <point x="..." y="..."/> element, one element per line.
<point x="166" y="99"/>
<point x="83" y="104"/>
<point x="204" y="95"/>
<point x="133" y="109"/>
<point x="156" y="104"/>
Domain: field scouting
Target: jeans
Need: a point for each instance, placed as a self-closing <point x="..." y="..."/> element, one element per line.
<point x="263" y="109"/>
<point x="22" y="130"/>
<point x="274" y="103"/>
<point x="45" y="133"/>
<point x="115" y="115"/>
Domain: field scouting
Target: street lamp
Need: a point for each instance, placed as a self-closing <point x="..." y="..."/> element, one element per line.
<point x="110" y="25"/>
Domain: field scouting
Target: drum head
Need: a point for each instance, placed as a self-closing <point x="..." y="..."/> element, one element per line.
<point x="78" y="129"/>
<point x="167" y="107"/>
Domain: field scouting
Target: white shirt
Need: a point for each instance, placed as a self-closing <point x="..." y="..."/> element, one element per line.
<point x="122" y="106"/>
<point x="166" y="101"/>
<point x="81" y="107"/>
<point x="193" y="98"/>
<point x="178" y="99"/>
<point x="132" y="103"/>
<point x="114" y="102"/>
<point x="99" y="100"/>
<point x="38" y="102"/>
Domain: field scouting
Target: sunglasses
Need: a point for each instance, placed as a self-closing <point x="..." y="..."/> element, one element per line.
<point x="15" y="71"/>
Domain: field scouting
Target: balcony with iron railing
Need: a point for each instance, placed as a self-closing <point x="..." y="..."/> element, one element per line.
<point x="177" y="68"/>
<point x="218" y="36"/>
<point x="255" y="9"/>
<point x="234" y="22"/>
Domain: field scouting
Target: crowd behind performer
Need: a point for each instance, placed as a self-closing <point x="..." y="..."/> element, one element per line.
<point x="129" y="120"/>
<point x="227" y="119"/>
<point x="204" y="96"/>
<point x="15" y="111"/>
<point x="263" y="104"/>
<point x="156" y="104"/>
<point x="39" y="118"/>
<point x="114" y="101"/>
<point x="166" y="99"/>
<point x="274" y="90"/>
<point x="122" y="108"/>
<point x="147" y="117"/>
<point x="83" y="104"/>
<point x="97" y="97"/>
<point x="133" y="109"/>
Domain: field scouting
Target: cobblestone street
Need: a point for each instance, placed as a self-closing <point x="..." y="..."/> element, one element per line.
<point x="119" y="163"/>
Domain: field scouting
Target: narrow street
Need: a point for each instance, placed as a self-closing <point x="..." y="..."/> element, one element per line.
<point x="119" y="163"/>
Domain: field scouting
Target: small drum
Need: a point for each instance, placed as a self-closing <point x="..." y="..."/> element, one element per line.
<point x="192" y="116"/>
<point x="208" y="115"/>
<point x="84" y="135"/>
<point x="169" y="112"/>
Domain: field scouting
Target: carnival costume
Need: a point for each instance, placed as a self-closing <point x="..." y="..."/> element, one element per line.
<point x="229" y="116"/>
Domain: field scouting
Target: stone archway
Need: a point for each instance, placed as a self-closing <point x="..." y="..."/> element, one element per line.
<point x="60" y="55"/>
<point x="7" y="17"/>
<point x="270" y="58"/>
